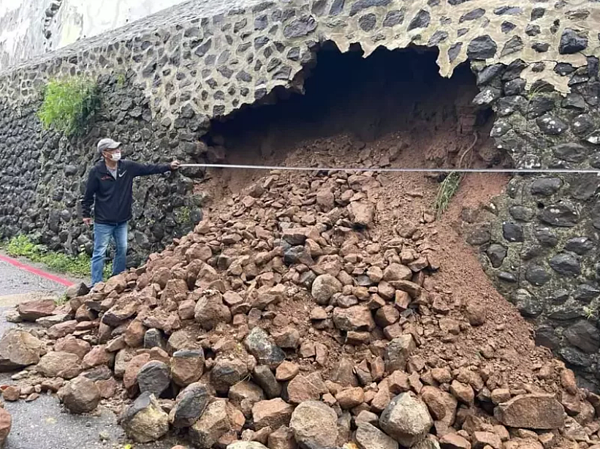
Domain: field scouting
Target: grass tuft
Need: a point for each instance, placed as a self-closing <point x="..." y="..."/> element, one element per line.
<point x="446" y="191"/>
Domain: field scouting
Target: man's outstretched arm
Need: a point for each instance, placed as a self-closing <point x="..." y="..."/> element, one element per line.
<point x="152" y="169"/>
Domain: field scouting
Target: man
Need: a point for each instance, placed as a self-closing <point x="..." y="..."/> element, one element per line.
<point x="110" y="183"/>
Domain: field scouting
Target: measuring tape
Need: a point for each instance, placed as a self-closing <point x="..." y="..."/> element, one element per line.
<point x="402" y="170"/>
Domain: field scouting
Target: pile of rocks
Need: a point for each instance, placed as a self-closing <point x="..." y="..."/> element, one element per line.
<point x="283" y="321"/>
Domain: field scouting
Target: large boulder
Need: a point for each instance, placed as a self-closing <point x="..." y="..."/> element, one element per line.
<point x="19" y="349"/>
<point x="314" y="424"/>
<point x="531" y="411"/>
<point x="81" y="395"/>
<point x="144" y="420"/>
<point x="32" y="310"/>
<point x="406" y="419"/>
<point x="190" y="405"/>
<point x="60" y="364"/>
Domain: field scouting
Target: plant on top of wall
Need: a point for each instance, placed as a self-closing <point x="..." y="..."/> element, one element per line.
<point x="69" y="104"/>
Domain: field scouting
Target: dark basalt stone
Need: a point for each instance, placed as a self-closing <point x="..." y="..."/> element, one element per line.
<point x="572" y="42"/>
<point x="482" y="47"/>
<point x="512" y="232"/>
<point x="562" y="214"/>
<point x="566" y="264"/>
<point x="421" y="20"/>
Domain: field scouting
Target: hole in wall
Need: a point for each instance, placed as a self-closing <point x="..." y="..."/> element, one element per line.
<point x="391" y="95"/>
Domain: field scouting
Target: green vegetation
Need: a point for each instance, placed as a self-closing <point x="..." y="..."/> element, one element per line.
<point x="591" y="313"/>
<point x="69" y="104"/>
<point x="446" y="191"/>
<point x="23" y="246"/>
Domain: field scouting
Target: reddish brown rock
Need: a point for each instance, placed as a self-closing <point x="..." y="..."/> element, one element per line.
<point x="62" y="329"/>
<point x="32" y="310"/>
<point x="305" y="388"/>
<point x="273" y="413"/>
<point x="531" y="411"/>
<point x="11" y="393"/>
<point x="454" y="441"/>
<point x="98" y="356"/>
<point x="441" y="404"/>
<point x="5" y="425"/>
<point x="60" y="364"/>
<point x="286" y="371"/>
<point x="73" y="345"/>
<point x="350" y="397"/>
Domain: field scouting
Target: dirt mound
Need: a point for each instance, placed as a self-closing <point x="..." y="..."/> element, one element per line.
<point x="321" y="309"/>
<point x="310" y="305"/>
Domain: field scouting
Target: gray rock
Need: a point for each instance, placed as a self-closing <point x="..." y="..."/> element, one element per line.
<point x="512" y="232"/>
<point x="575" y="357"/>
<point x="370" y="437"/>
<point x="420" y="20"/>
<point x="537" y="275"/>
<point x="551" y="125"/>
<point x="545" y="186"/>
<point x="189" y="405"/>
<point x="81" y="395"/>
<point x="246" y="445"/>
<point x="521" y="213"/>
<point x="496" y="253"/>
<point x="324" y="287"/>
<point x="367" y="22"/>
<point x="227" y="372"/>
<point x="154" y="377"/>
<point x="583" y="335"/>
<point x="267" y="381"/>
<point x="145" y="421"/>
<point x="406" y="419"/>
<point x="300" y="27"/>
<point x="513" y="45"/>
<point x="153" y="338"/>
<point x="262" y="346"/>
<point x="393" y="18"/>
<point x="566" y="264"/>
<point x="398" y="351"/>
<point x="360" y="5"/>
<point x="546" y="237"/>
<point x="563" y="214"/>
<point x="472" y="15"/>
<point x="570" y="152"/>
<point x="579" y="245"/>
<point x="482" y="47"/>
<point x="572" y="42"/>
<point x="528" y="305"/>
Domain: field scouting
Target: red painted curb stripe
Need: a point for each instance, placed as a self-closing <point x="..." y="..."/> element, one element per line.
<point x="36" y="271"/>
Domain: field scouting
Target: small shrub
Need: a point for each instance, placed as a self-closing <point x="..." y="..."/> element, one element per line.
<point x="69" y="104"/>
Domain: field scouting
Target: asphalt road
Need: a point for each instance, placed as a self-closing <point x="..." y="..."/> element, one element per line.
<point x="44" y="423"/>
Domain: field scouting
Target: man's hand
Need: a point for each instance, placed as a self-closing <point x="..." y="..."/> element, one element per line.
<point x="87" y="221"/>
<point x="175" y="165"/>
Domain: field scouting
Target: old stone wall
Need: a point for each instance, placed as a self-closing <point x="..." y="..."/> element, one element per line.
<point x="164" y="78"/>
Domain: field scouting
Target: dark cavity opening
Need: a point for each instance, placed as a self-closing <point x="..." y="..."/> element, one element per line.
<point x="397" y="93"/>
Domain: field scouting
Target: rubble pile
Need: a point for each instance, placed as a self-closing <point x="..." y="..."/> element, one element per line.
<point x="292" y="317"/>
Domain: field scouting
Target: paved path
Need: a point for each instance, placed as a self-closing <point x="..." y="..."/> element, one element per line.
<point x="44" y="424"/>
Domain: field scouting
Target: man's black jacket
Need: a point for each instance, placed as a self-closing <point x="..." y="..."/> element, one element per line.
<point x="114" y="196"/>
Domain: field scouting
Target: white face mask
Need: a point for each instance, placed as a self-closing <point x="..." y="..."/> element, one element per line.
<point x="115" y="156"/>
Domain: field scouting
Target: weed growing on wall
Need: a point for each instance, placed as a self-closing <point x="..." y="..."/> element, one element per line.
<point x="69" y="104"/>
<point x="446" y="191"/>
<point x="23" y="246"/>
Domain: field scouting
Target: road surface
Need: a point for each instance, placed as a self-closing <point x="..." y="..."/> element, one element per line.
<point x="44" y="424"/>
